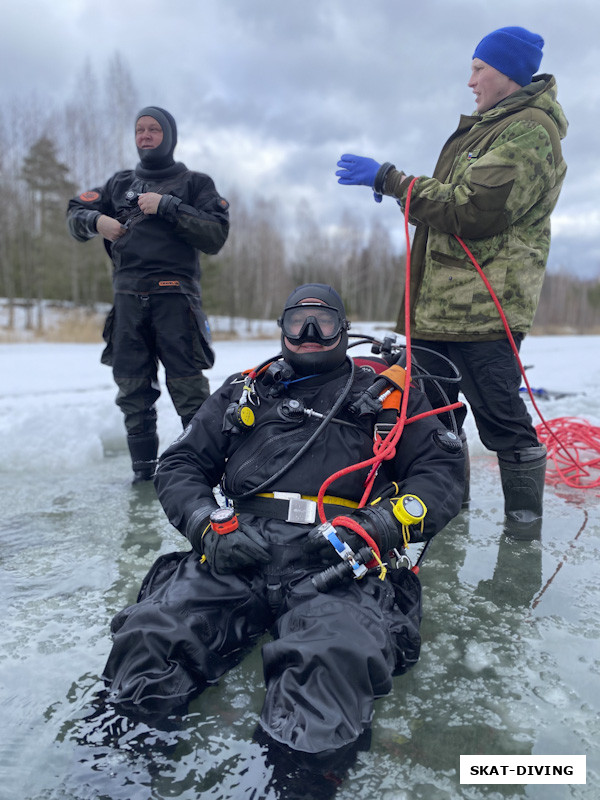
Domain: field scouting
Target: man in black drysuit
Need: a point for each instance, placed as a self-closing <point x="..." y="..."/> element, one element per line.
<point x="155" y="219"/>
<point x="333" y="652"/>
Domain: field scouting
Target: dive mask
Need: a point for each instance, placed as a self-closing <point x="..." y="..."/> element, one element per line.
<point x="312" y="322"/>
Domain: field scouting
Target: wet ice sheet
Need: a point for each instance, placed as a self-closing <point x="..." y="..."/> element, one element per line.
<point x="510" y="660"/>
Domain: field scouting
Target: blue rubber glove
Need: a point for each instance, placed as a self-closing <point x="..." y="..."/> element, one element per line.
<point x="357" y="170"/>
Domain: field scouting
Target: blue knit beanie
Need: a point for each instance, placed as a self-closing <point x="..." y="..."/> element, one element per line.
<point x="514" y="51"/>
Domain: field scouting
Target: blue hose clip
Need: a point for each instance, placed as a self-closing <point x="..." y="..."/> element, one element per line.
<point x="343" y="549"/>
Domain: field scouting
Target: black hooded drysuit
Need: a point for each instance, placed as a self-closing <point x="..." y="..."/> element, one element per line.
<point x="157" y="312"/>
<point x="332" y="652"/>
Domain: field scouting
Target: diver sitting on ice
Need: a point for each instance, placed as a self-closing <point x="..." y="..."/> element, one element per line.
<point x="342" y="607"/>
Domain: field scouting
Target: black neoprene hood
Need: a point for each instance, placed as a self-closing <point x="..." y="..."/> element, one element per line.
<point x="161" y="156"/>
<point x="319" y="291"/>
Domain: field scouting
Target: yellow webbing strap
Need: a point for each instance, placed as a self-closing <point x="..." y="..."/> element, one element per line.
<point x="327" y="500"/>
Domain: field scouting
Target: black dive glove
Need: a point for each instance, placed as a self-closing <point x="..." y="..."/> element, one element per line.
<point x="378" y="521"/>
<point x="226" y="552"/>
<point x="229" y="552"/>
<point x="393" y="521"/>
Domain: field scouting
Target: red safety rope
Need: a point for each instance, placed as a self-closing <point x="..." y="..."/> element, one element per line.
<point x="384" y="449"/>
<point x="582" y="437"/>
<point x="574" y="466"/>
<point x="575" y="433"/>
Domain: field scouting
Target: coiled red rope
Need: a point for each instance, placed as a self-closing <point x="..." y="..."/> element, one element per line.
<point x="581" y="440"/>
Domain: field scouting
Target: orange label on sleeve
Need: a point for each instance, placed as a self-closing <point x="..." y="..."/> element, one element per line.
<point x="89" y="197"/>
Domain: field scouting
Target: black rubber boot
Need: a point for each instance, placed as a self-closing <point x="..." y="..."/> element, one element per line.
<point x="467" y="492"/>
<point x="144" y="452"/>
<point x="522" y="473"/>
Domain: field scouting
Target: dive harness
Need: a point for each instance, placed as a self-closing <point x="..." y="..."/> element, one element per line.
<point x="382" y="398"/>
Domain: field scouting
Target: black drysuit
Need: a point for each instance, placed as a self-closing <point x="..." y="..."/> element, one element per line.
<point x="332" y="653"/>
<point x="157" y="312"/>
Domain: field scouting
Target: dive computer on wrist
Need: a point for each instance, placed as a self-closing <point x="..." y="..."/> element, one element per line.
<point x="223" y="520"/>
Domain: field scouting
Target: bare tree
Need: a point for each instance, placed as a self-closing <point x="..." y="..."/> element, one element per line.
<point x="248" y="277"/>
<point x="121" y="99"/>
<point x="6" y="265"/>
<point x="568" y="303"/>
<point x="80" y="137"/>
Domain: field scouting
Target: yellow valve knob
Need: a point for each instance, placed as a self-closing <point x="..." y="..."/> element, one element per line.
<point x="246" y="416"/>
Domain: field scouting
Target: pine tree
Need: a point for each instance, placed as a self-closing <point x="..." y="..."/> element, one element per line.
<point x="48" y="191"/>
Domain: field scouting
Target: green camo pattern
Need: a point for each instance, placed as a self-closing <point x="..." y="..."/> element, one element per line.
<point x="495" y="185"/>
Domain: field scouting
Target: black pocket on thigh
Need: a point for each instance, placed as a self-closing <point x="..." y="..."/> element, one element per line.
<point x="206" y="353"/>
<point x="160" y="572"/>
<point x="406" y="619"/>
<point x="107" y="335"/>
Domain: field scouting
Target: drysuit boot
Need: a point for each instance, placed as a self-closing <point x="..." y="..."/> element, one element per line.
<point x="144" y="453"/>
<point x="465" y="448"/>
<point x="522" y="473"/>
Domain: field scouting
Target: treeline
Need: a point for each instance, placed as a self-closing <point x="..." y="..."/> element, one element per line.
<point x="568" y="304"/>
<point x="47" y="155"/>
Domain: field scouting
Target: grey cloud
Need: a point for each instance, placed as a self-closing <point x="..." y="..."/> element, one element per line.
<point x="311" y="79"/>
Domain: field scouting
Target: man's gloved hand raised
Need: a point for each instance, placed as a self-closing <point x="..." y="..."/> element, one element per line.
<point x="229" y="552"/>
<point x="357" y="170"/>
<point x="378" y="521"/>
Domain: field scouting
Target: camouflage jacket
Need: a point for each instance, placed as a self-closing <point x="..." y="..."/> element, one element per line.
<point x="495" y="185"/>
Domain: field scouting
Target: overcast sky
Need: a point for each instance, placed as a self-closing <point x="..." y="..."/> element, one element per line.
<point x="267" y="95"/>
